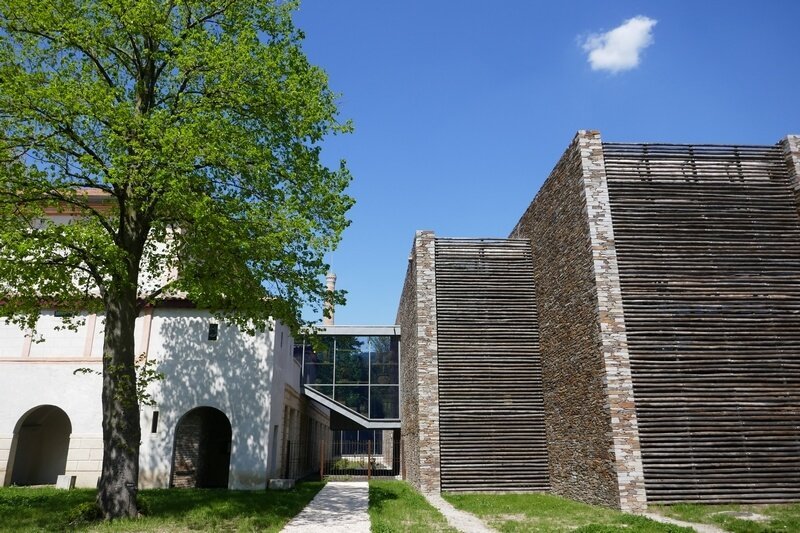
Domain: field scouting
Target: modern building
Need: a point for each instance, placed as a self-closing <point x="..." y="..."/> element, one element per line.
<point x="635" y="339"/>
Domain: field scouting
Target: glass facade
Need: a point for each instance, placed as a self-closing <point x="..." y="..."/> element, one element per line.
<point x="359" y="372"/>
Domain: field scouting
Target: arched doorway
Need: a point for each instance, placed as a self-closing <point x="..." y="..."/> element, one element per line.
<point x="41" y="447"/>
<point x="202" y="452"/>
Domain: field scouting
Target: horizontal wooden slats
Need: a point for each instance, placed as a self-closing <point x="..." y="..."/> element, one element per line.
<point x="708" y="245"/>
<point x="492" y="433"/>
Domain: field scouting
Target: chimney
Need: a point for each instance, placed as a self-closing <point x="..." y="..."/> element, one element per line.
<point x="330" y="282"/>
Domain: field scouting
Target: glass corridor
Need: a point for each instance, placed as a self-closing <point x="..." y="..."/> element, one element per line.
<point x="360" y="372"/>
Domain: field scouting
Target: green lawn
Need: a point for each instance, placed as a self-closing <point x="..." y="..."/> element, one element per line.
<point x="48" y="509"/>
<point x="545" y="512"/>
<point x="784" y="517"/>
<point x="395" y="507"/>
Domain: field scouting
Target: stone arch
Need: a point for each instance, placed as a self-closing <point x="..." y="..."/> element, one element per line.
<point x="40" y="446"/>
<point x="202" y="452"/>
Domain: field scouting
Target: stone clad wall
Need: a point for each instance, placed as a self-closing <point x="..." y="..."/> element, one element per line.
<point x="419" y="378"/>
<point x="791" y="150"/>
<point x="588" y="397"/>
<point x="409" y="401"/>
<point x="577" y="422"/>
<point x="613" y="334"/>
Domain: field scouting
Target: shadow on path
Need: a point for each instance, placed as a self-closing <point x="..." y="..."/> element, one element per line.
<point x="338" y="507"/>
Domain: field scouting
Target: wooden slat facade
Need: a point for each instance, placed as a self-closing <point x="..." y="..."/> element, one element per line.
<point x="492" y="433"/>
<point x="708" y="245"/>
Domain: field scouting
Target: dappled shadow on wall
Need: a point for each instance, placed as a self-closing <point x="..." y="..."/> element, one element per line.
<point x="232" y="374"/>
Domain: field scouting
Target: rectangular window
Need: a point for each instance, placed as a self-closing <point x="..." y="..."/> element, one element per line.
<point x="213" y="331"/>
<point x="154" y="424"/>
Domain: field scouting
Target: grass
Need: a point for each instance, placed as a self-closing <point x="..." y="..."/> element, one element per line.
<point x="48" y="509"/>
<point x="545" y="512"/>
<point x="394" y="506"/>
<point x="782" y="517"/>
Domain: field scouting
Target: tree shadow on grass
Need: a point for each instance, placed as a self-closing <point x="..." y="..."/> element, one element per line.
<point x="212" y="506"/>
<point x="29" y="508"/>
<point x="48" y="509"/>
<point x="379" y="495"/>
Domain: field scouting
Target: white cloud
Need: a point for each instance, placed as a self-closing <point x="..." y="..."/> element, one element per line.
<point x="620" y="48"/>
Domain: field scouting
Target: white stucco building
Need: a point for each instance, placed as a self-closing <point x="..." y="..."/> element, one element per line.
<point x="226" y="414"/>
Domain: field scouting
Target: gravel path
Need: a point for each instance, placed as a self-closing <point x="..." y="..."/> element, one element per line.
<point x="461" y="520"/>
<point x="700" y="528"/>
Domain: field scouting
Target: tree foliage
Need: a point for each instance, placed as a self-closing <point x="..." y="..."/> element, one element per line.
<point x="152" y="148"/>
<point x="201" y="120"/>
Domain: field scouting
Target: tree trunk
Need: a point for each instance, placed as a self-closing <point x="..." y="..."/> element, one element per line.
<point x="121" y="430"/>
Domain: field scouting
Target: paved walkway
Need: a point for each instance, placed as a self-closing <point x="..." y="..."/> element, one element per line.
<point x="461" y="520"/>
<point x="340" y="507"/>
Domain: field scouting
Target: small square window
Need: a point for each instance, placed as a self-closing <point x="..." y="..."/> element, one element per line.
<point x="213" y="331"/>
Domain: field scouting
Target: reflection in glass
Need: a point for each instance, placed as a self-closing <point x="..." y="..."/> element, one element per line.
<point x="360" y="372"/>
<point x="353" y="396"/>
<point x="384" y="402"/>
<point x="384" y="360"/>
<point x="318" y="366"/>
<point x="352" y="367"/>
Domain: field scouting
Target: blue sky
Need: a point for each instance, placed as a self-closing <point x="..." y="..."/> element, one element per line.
<point x="461" y="109"/>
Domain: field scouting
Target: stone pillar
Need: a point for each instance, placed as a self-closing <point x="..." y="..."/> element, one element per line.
<point x="427" y="361"/>
<point x="611" y="318"/>
<point x="791" y="150"/>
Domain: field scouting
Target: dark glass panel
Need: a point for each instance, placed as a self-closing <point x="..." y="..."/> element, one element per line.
<point x="352" y="343"/>
<point x="318" y="373"/>
<point x="385" y="369"/>
<point x="352" y="360"/>
<point x="319" y="362"/>
<point x="353" y="396"/>
<point x="385" y="402"/>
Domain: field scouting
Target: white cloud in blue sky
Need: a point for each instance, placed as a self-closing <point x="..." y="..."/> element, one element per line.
<point x="620" y="49"/>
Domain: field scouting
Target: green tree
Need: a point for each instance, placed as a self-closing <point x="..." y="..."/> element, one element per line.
<point x="177" y="136"/>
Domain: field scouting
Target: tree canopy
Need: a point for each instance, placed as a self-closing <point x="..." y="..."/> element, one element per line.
<point x="152" y="148"/>
<point x="202" y="122"/>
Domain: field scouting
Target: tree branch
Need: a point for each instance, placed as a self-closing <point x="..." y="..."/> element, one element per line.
<point x="156" y="293"/>
<point x="85" y="51"/>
